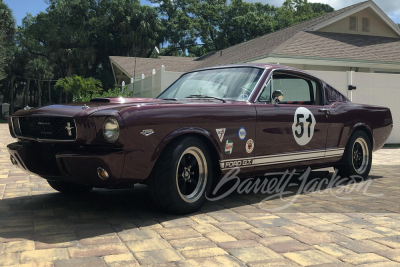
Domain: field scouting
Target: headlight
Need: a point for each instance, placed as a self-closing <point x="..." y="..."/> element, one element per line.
<point x="111" y="129"/>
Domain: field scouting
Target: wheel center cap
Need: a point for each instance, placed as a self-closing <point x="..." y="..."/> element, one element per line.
<point x="186" y="174"/>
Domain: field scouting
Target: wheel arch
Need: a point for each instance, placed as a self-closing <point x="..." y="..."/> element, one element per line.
<point x="362" y="127"/>
<point x="202" y="134"/>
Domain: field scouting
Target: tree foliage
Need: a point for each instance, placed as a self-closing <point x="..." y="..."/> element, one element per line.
<point x="319" y="7"/>
<point x="74" y="38"/>
<point x="79" y="86"/>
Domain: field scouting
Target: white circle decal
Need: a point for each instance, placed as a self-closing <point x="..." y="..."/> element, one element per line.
<point x="249" y="146"/>
<point x="303" y="126"/>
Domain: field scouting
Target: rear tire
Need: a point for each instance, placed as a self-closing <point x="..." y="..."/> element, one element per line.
<point x="182" y="176"/>
<point x="357" y="157"/>
<point x="70" y="188"/>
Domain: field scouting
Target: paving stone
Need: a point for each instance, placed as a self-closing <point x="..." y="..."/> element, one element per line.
<point x="274" y="222"/>
<point x="178" y="233"/>
<point x="228" y="226"/>
<point x="157" y="256"/>
<point x="254" y="254"/>
<point x="273" y="263"/>
<point x="380" y="264"/>
<point x="18" y="246"/>
<point x="289" y="246"/>
<point x="271" y="231"/>
<point x="239" y="244"/>
<point x="390" y="241"/>
<point x="84" y="262"/>
<point x="97" y="250"/>
<point x="192" y="243"/>
<point x="103" y="239"/>
<point x="298" y="229"/>
<point x="334" y="249"/>
<point x="205" y="228"/>
<point x="178" y="222"/>
<point x="310" y="257"/>
<point x="120" y="260"/>
<point x="218" y="237"/>
<point x="9" y="259"/>
<point x="362" y="246"/>
<point x="225" y="260"/>
<point x="243" y="234"/>
<point x="392" y="254"/>
<point x="44" y="255"/>
<point x="228" y="217"/>
<point x="138" y="234"/>
<point x="203" y="252"/>
<point x="148" y="244"/>
<point x="357" y="223"/>
<point x="384" y="231"/>
<point x="320" y="238"/>
<point x="275" y="239"/>
<point x="359" y="233"/>
<point x="56" y="241"/>
<point x="203" y="219"/>
<point x="364" y="258"/>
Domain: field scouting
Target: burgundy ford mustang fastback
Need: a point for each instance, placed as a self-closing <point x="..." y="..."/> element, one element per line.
<point x="255" y="117"/>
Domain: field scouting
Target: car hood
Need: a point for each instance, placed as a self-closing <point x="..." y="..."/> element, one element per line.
<point x="100" y="104"/>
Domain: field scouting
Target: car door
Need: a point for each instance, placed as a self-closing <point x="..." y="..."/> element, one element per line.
<point x="292" y="132"/>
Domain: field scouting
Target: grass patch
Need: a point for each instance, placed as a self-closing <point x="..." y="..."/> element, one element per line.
<point x="392" y="145"/>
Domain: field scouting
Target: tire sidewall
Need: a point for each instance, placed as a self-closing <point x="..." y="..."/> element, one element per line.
<point x="347" y="161"/>
<point x="178" y="151"/>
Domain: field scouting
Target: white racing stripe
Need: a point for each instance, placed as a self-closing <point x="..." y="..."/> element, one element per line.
<point x="282" y="158"/>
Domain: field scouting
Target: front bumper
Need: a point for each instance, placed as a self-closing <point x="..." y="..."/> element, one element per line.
<point x="76" y="165"/>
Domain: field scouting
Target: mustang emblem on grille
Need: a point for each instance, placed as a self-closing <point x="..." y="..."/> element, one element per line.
<point x="69" y="128"/>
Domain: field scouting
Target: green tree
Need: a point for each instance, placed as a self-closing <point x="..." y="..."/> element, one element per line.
<point x="79" y="86"/>
<point x="41" y="69"/>
<point x="319" y="8"/>
<point x="7" y="32"/>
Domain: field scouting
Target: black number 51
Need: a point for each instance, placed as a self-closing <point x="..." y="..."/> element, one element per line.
<point x="301" y="124"/>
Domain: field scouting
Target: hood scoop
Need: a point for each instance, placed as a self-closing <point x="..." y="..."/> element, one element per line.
<point x="100" y="100"/>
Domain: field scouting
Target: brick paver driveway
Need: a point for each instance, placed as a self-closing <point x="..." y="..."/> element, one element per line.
<point x="40" y="227"/>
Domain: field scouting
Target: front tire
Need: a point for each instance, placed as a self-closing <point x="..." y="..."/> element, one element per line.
<point x="357" y="157"/>
<point x="182" y="176"/>
<point x="69" y="188"/>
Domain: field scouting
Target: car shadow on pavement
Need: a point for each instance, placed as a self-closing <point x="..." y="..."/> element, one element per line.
<point x="56" y="220"/>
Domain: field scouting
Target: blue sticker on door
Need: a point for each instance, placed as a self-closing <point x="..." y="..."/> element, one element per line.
<point x="242" y="133"/>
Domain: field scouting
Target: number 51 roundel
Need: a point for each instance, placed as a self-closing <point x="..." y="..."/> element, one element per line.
<point x="303" y="126"/>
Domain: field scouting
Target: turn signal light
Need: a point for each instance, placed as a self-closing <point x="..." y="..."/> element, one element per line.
<point x="13" y="160"/>
<point x="102" y="173"/>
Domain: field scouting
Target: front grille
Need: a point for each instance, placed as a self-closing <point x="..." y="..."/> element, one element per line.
<point x="57" y="128"/>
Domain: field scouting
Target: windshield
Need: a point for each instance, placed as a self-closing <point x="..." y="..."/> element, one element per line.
<point x="228" y="83"/>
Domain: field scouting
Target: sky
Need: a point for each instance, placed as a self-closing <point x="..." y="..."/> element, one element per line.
<point x="390" y="7"/>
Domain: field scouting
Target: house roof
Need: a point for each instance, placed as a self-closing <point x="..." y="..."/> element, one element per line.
<point x="266" y="44"/>
<point x="342" y="46"/>
<point x="146" y="65"/>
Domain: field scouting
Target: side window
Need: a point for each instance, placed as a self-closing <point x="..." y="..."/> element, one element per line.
<point x="266" y="93"/>
<point x="296" y="90"/>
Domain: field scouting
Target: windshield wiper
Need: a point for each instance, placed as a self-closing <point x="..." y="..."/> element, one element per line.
<point x="206" y="96"/>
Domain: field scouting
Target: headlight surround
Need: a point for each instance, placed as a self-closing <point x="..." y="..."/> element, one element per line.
<point x="111" y="129"/>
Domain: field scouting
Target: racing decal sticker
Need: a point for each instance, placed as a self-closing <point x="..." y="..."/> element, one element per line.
<point x="228" y="147"/>
<point x="303" y="126"/>
<point x="242" y="133"/>
<point x="236" y="163"/>
<point x="221" y="133"/>
<point x="249" y="146"/>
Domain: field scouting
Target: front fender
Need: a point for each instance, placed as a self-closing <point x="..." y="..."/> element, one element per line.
<point x="183" y="131"/>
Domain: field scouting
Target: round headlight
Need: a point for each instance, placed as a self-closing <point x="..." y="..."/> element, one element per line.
<point x="111" y="129"/>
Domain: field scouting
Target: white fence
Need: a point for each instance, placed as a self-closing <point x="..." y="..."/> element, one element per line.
<point x="152" y="86"/>
<point x="372" y="88"/>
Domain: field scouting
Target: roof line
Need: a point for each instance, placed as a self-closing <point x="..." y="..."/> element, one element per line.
<point x="356" y="9"/>
<point x="331" y="59"/>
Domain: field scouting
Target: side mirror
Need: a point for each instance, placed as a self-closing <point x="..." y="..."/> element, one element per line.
<point x="277" y="96"/>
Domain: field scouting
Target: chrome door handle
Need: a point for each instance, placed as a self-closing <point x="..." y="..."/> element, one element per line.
<point x="325" y="110"/>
